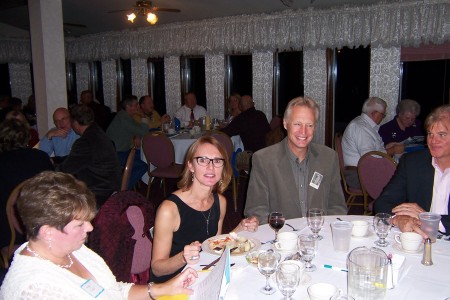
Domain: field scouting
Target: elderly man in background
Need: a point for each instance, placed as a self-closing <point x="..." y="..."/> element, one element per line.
<point x="100" y="111"/>
<point x="361" y="136"/>
<point x="404" y="125"/>
<point x="295" y="174"/>
<point x="190" y="111"/>
<point x="58" y="141"/>
<point x="147" y="113"/>
<point x="93" y="158"/>
<point x="124" y="131"/>
<point x="422" y="180"/>
<point x="250" y="124"/>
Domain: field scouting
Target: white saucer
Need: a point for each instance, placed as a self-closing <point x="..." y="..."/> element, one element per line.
<point x="399" y="247"/>
<point x="284" y="251"/>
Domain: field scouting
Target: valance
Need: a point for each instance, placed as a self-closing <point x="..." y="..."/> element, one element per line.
<point x="403" y="23"/>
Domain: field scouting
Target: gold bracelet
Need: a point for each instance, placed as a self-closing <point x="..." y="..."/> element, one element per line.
<point x="149" y="286"/>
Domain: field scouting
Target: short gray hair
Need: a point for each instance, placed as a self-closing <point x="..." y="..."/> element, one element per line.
<point x="373" y="104"/>
<point x="302" y="101"/>
<point x="408" y="105"/>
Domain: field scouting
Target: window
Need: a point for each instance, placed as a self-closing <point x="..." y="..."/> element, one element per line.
<point x="123" y="79"/>
<point x="5" y="87"/>
<point x="193" y="78"/>
<point x="351" y="84"/>
<point x="71" y="83"/>
<point x="288" y="79"/>
<point x="156" y="83"/>
<point x="427" y="82"/>
<point x="96" y="80"/>
<point x="239" y="74"/>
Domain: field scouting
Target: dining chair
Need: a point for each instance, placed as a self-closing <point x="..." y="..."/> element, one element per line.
<point x="15" y="225"/>
<point x="160" y="155"/>
<point x="128" y="167"/>
<point x="352" y="193"/>
<point x="375" y="169"/>
<point x="225" y="140"/>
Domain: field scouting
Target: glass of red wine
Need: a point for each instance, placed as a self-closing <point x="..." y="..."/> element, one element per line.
<point x="276" y="221"/>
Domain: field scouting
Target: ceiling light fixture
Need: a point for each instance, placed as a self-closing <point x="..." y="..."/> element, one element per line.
<point x="152" y="18"/>
<point x="131" y="17"/>
<point x="143" y="8"/>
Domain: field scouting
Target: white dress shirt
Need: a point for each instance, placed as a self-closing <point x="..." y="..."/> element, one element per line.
<point x="184" y="113"/>
<point x="441" y="192"/>
<point x="360" y="136"/>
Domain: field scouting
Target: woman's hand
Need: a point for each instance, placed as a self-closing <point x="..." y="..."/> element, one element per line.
<point x="178" y="285"/>
<point x="191" y="253"/>
<point x="248" y="224"/>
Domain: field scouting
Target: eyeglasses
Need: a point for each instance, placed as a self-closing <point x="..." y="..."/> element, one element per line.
<point x="204" y="161"/>
<point x="383" y="114"/>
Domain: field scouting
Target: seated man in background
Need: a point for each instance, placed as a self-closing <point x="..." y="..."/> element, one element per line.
<point x="295" y="174"/>
<point x="124" y="131"/>
<point x="93" y="158"/>
<point x="59" y="140"/>
<point x="404" y="125"/>
<point x="361" y="136"/>
<point x="100" y="111"/>
<point x="250" y="124"/>
<point x="147" y="113"/>
<point x="422" y="180"/>
<point x="190" y="111"/>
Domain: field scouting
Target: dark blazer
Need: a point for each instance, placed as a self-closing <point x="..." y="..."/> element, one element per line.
<point x="94" y="160"/>
<point x="412" y="183"/>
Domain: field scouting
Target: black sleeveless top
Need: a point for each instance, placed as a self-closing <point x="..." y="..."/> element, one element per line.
<point x="194" y="226"/>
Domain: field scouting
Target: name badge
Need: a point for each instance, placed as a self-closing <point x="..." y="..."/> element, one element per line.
<point x="92" y="288"/>
<point x="316" y="180"/>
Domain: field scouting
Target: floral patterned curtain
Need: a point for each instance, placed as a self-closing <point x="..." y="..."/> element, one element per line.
<point x="215" y="79"/>
<point x="262" y="69"/>
<point x="110" y="83"/>
<point x="172" y="83"/>
<point x="20" y="78"/>
<point x="139" y="77"/>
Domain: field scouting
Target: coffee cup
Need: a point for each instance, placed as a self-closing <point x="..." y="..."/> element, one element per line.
<point x="286" y="241"/>
<point x="170" y="131"/>
<point x="322" y="291"/>
<point x="165" y="127"/>
<point x="410" y="241"/>
<point x="360" y="228"/>
<point x="197" y="129"/>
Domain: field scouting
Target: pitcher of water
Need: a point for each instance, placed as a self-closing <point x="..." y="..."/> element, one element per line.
<point x="367" y="273"/>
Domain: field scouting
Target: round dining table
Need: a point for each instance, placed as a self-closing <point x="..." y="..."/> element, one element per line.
<point x="415" y="281"/>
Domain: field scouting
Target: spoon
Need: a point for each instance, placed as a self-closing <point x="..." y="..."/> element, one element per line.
<point x="293" y="229"/>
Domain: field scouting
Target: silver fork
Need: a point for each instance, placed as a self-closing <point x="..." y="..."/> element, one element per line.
<point x="293" y="229"/>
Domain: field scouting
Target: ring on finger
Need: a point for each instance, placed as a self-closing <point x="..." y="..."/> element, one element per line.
<point x="194" y="257"/>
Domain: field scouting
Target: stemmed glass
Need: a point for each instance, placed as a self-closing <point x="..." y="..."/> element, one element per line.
<point x="315" y="218"/>
<point x="267" y="265"/>
<point x="382" y="225"/>
<point x="276" y="221"/>
<point x="307" y="246"/>
<point x="288" y="278"/>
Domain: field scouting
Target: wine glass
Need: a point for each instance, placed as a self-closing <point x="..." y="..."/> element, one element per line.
<point x="288" y="278"/>
<point x="276" y="221"/>
<point x="307" y="246"/>
<point x="382" y="225"/>
<point x="315" y="218"/>
<point x="267" y="265"/>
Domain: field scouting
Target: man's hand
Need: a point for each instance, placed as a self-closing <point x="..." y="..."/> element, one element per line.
<point x="408" y="209"/>
<point x="408" y="224"/>
<point x="57" y="132"/>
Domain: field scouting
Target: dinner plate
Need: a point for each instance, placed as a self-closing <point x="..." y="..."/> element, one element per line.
<point x="205" y="245"/>
<point x="399" y="247"/>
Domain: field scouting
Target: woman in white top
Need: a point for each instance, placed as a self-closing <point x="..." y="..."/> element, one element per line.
<point x="56" y="210"/>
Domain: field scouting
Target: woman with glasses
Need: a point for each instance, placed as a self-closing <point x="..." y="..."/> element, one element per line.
<point x="194" y="212"/>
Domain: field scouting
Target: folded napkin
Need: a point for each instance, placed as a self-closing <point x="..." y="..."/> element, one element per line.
<point x="395" y="273"/>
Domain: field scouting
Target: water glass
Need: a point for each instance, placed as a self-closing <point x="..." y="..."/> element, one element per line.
<point x="315" y="218"/>
<point x="382" y="225"/>
<point x="288" y="278"/>
<point x="307" y="247"/>
<point x="267" y="265"/>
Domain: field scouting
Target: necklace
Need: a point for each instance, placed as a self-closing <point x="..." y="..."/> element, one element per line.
<point x="207" y="220"/>
<point x="61" y="266"/>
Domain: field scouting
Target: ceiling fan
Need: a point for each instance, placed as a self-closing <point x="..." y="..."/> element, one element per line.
<point x="144" y="8"/>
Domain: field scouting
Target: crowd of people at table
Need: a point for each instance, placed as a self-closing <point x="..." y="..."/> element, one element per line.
<point x="76" y="166"/>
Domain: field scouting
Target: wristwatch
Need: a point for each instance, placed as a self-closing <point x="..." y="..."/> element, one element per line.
<point x="149" y="286"/>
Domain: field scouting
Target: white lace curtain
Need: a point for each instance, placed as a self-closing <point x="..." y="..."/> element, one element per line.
<point x="403" y="23"/>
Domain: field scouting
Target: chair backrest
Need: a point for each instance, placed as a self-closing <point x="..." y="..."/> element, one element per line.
<point x="142" y="255"/>
<point x="15" y="225"/>
<point x="375" y="169"/>
<point x="128" y="167"/>
<point x="225" y="140"/>
<point x="158" y="150"/>
<point x="114" y="234"/>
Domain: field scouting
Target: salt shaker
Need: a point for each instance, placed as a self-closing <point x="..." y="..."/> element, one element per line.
<point x="426" y="260"/>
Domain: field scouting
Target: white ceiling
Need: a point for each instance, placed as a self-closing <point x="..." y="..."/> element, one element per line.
<point x="93" y="14"/>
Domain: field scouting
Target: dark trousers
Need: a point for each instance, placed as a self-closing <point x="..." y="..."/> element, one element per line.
<point x="139" y="167"/>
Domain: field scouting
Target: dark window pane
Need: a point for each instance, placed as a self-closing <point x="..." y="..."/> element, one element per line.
<point x="290" y="81"/>
<point x="352" y="84"/>
<point x="71" y="82"/>
<point x="194" y="78"/>
<point x="427" y="82"/>
<point x="98" y="82"/>
<point x="126" y="73"/>
<point x="240" y="77"/>
<point x="157" y="87"/>
<point x="5" y="87"/>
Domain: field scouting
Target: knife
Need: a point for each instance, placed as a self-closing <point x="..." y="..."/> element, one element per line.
<point x="215" y="261"/>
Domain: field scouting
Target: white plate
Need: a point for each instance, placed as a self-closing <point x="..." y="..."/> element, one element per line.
<point x="399" y="247"/>
<point x="205" y="245"/>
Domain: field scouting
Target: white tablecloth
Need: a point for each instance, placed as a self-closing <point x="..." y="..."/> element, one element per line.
<point x="418" y="281"/>
<point x="181" y="144"/>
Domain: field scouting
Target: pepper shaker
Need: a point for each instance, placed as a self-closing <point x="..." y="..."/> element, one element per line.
<point x="426" y="260"/>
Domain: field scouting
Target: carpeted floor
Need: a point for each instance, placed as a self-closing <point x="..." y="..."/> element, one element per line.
<point x="232" y="218"/>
